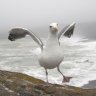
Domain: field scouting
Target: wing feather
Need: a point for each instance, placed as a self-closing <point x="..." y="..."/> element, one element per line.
<point x="18" y="33"/>
<point x="67" y="31"/>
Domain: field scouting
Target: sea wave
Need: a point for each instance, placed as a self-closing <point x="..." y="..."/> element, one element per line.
<point x="79" y="61"/>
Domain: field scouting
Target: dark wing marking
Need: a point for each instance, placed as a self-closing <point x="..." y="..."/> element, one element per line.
<point x="18" y="33"/>
<point x="67" y="31"/>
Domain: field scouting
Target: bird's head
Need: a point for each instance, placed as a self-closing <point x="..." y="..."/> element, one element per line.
<point x="17" y="33"/>
<point x="53" y="27"/>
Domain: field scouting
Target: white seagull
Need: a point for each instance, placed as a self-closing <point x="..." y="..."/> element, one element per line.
<point x="51" y="55"/>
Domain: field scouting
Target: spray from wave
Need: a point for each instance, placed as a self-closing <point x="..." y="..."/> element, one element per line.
<point x="79" y="61"/>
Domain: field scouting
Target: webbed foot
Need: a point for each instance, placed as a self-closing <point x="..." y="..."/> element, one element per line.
<point x="66" y="79"/>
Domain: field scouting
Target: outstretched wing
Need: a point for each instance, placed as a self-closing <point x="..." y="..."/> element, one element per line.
<point x="67" y="31"/>
<point x="18" y="33"/>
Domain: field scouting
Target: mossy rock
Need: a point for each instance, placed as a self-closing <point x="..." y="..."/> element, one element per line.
<point x="18" y="84"/>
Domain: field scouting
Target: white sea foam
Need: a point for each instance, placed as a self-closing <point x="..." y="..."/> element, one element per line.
<point x="79" y="61"/>
<point x="81" y="68"/>
<point x="36" y="51"/>
<point x="3" y="62"/>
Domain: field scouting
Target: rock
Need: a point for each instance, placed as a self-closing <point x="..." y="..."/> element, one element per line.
<point x="18" y="84"/>
<point x="90" y="85"/>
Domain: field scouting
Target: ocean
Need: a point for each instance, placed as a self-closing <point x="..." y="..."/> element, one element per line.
<point x="79" y="60"/>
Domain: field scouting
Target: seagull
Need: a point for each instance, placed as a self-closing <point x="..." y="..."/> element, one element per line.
<point x="51" y="55"/>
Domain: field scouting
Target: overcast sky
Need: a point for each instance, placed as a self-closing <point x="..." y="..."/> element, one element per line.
<point x="34" y="13"/>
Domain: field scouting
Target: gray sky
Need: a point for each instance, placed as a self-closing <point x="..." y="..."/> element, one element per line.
<point x="34" y="13"/>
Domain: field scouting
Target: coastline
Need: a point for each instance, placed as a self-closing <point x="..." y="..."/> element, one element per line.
<point x="18" y="84"/>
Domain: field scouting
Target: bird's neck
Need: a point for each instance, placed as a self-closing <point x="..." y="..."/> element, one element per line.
<point x="52" y="39"/>
<point x="53" y="34"/>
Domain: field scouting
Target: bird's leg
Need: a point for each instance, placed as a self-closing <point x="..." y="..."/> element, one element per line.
<point x="46" y="75"/>
<point x="65" y="79"/>
<point x="47" y="83"/>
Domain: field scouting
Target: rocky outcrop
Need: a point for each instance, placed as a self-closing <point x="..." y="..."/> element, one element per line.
<point x="17" y="84"/>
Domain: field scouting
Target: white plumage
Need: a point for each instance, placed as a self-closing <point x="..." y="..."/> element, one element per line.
<point x="51" y="55"/>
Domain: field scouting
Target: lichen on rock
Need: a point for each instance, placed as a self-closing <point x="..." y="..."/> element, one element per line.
<point x="18" y="84"/>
